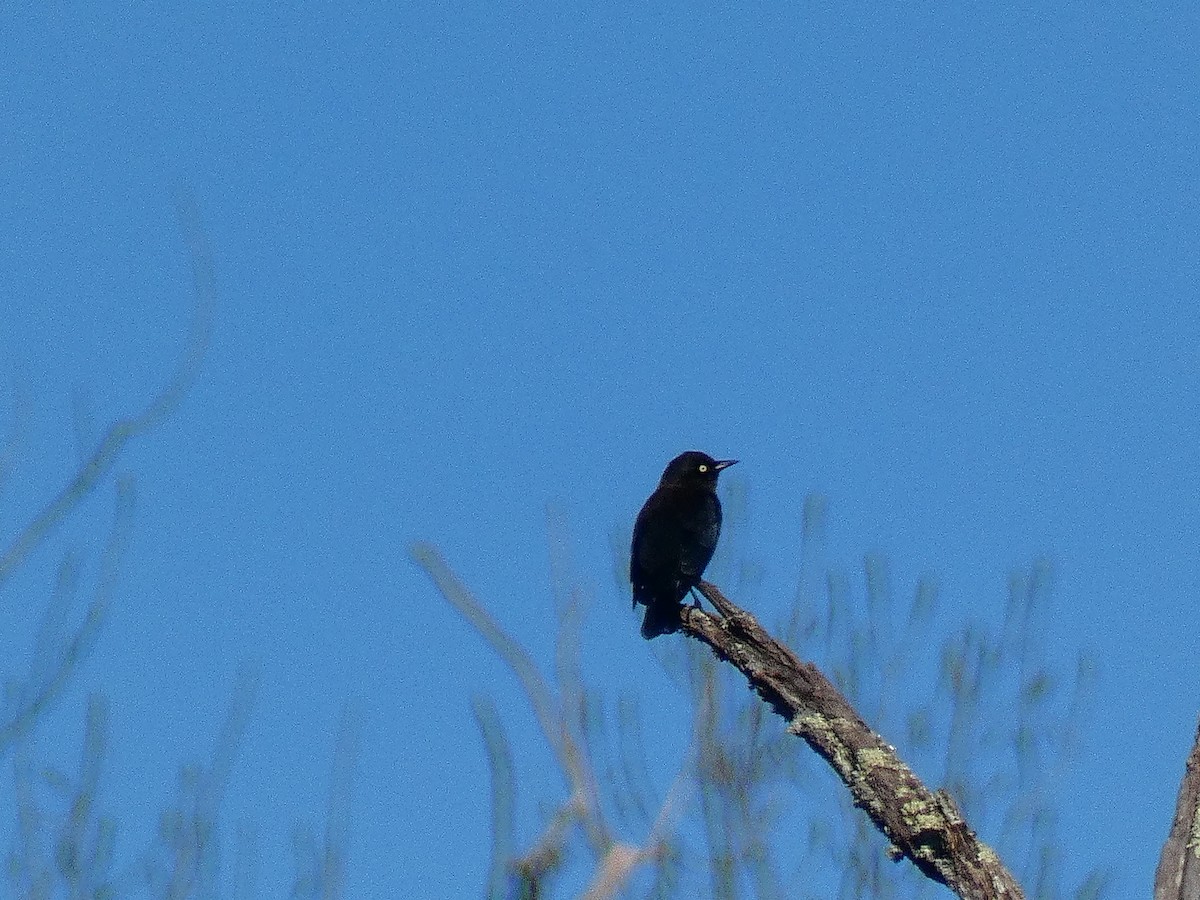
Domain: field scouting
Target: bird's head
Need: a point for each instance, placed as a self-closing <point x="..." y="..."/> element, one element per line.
<point x="694" y="467"/>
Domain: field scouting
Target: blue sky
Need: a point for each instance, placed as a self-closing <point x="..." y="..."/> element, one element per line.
<point x="936" y="264"/>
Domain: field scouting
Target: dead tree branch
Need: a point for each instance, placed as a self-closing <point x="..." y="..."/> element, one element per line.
<point x="1178" y="874"/>
<point x="923" y="825"/>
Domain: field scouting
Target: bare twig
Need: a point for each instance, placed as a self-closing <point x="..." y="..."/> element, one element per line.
<point x="614" y="870"/>
<point x="121" y="432"/>
<point x="545" y="706"/>
<point x="582" y="806"/>
<point x="923" y="825"/>
<point x="337" y="820"/>
<point x="193" y="835"/>
<point x="503" y="795"/>
<point x="621" y="860"/>
<point x="76" y="859"/>
<point x="51" y="668"/>
<point x="616" y="861"/>
<point x="1178" y="874"/>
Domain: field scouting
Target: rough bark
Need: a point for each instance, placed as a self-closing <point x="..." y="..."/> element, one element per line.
<point x="1178" y="875"/>
<point x="924" y="826"/>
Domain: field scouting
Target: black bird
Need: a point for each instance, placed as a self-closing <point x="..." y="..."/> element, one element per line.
<point x="674" y="538"/>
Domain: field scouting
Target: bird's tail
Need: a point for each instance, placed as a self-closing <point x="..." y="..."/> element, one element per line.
<point x="661" y="618"/>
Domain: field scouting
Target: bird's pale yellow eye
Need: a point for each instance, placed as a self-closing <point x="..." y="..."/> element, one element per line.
<point x="703" y="468"/>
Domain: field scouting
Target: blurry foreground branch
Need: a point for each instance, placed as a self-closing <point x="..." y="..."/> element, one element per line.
<point x="57" y="653"/>
<point x="615" y="862"/>
<point x="102" y="459"/>
<point x="923" y="825"/>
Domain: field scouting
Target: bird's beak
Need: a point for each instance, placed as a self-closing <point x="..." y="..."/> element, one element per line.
<point x="724" y="464"/>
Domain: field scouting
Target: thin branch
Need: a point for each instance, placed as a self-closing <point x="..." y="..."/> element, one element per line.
<point x="48" y="677"/>
<point x="924" y="826"/>
<point x="616" y="860"/>
<point x="1178" y="874"/>
<point x="337" y="818"/>
<point x="74" y="860"/>
<point x="121" y="432"/>
<point x="621" y="860"/>
<point x="194" y="842"/>
<point x="546" y="708"/>
<point x="614" y="871"/>
<point x="570" y="610"/>
<point x="503" y="790"/>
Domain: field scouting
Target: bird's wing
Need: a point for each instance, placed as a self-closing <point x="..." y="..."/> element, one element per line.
<point x="653" y="539"/>
<point x="675" y="534"/>
<point x="656" y="537"/>
<point x="699" y="538"/>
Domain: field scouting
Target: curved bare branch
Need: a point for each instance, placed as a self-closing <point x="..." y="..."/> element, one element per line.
<point x="121" y="432"/>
